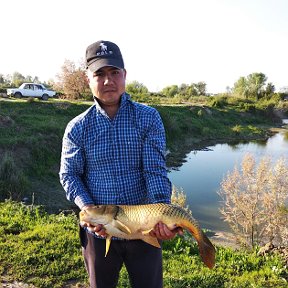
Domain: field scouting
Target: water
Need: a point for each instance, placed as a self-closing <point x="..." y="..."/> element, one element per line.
<point x="201" y="175"/>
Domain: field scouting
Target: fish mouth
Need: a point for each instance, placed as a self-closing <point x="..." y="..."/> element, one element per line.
<point x="83" y="223"/>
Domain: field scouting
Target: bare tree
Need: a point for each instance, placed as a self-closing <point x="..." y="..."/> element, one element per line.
<point x="254" y="200"/>
<point x="72" y="81"/>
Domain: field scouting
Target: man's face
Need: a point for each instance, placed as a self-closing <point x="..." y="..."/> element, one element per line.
<point x="107" y="84"/>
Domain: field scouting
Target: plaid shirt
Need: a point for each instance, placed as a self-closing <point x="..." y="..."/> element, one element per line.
<point x="119" y="161"/>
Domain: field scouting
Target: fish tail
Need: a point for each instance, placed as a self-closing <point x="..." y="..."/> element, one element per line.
<point x="207" y="251"/>
<point x="206" y="248"/>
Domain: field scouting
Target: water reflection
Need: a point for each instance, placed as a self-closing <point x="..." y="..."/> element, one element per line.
<point x="201" y="175"/>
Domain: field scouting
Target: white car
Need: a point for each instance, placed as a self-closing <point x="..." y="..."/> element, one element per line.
<point x="31" y="90"/>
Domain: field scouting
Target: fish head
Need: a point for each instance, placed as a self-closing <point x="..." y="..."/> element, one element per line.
<point x="98" y="214"/>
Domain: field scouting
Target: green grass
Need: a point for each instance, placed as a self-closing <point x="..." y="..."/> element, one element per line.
<point x="31" y="136"/>
<point x="44" y="250"/>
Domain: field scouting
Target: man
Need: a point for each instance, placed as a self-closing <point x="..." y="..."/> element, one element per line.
<point x="113" y="153"/>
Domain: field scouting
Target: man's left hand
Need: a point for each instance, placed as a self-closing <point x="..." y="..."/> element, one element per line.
<point x="162" y="232"/>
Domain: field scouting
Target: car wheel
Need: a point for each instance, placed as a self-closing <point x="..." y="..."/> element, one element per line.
<point x="18" y="95"/>
<point x="45" y="97"/>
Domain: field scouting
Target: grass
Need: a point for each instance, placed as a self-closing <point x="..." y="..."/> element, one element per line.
<point x="206" y="123"/>
<point x="31" y="136"/>
<point x="44" y="250"/>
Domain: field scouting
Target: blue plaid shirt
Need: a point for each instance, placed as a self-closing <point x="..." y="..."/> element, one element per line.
<point x="115" y="161"/>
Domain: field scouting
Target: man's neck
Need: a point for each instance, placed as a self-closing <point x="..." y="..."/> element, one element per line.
<point x="111" y="110"/>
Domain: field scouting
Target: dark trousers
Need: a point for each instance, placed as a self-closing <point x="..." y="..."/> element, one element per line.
<point x="143" y="262"/>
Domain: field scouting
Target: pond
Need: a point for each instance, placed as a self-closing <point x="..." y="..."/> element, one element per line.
<point x="201" y="175"/>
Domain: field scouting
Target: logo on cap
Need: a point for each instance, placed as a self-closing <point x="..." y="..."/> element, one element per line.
<point x="104" y="50"/>
<point x="103" y="46"/>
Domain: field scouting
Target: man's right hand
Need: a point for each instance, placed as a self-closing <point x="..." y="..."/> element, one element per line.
<point x="99" y="230"/>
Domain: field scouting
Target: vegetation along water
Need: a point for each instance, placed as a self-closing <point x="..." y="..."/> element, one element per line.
<point x="213" y="163"/>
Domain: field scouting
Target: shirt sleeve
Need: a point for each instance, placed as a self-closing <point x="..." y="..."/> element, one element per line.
<point x="158" y="185"/>
<point x="72" y="167"/>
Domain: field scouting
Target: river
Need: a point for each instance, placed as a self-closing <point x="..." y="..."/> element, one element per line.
<point x="201" y="174"/>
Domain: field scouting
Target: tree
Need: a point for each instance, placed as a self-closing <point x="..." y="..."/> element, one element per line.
<point x="72" y="82"/>
<point x="255" y="83"/>
<point x="183" y="89"/>
<point x="17" y="79"/>
<point x="28" y="78"/>
<point x="252" y="86"/>
<point x="201" y="88"/>
<point x="192" y="90"/>
<point x="170" y="91"/>
<point x="36" y="79"/>
<point x="2" y="80"/>
<point x="240" y="87"/>
<point x="270" y="90"/>
<point x="136" y="88"/>
<point x="254" y="201"/>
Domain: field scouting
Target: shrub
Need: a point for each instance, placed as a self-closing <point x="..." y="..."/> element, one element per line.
<point x="12" y="180"/>
<point x="178" y="197"/>
<point x="254" y="201"/>
<point x="218" y="102"/>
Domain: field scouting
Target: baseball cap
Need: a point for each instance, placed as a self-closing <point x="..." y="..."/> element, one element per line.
<point x="103" y="53"/>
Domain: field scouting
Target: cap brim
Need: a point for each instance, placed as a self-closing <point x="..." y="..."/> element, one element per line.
<point x="100" y="63"/>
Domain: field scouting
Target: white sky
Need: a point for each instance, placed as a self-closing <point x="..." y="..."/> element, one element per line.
<point x="163" y="42"/>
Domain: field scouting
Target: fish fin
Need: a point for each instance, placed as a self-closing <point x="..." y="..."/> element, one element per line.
<point x="122" y="227"/>
<point x="108" y="242"/>
<point x="207" y="251"/>
<point x="145" y="232"/>
<point x="152" y="241"/>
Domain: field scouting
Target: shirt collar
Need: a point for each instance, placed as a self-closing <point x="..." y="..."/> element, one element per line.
<point x="125" y="97"/>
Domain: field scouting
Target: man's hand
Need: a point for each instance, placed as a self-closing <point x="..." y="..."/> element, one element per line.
<point x="99" y="230"/>
<point x="162" y="232"/>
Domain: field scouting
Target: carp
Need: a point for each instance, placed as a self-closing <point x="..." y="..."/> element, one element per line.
<point x="136" y="221"/>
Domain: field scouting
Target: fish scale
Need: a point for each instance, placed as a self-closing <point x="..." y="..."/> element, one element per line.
<point x="135" y="213"/>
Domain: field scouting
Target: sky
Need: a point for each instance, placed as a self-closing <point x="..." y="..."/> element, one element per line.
<point x="164" y="42"/>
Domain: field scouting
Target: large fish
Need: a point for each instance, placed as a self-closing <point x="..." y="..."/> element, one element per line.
<point x="136" y="221"/>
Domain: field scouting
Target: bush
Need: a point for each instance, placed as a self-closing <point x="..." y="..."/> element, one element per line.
<point x="254" y="201"/>
<point x="218" y="102"/>
<point x="13" y="183"/>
